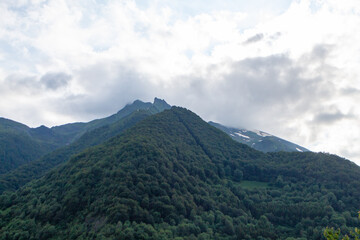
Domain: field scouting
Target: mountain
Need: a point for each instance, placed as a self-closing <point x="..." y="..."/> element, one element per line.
<point x="73" y="131"/>
<point x="173" y="176"/>
<point x="20" y="144"/>
<point x="106" y="129"/>
<point x="16" y="178"/>
<point x="260" y="140"/>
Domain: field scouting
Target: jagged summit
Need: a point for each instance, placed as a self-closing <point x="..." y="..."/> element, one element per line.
<point x="74" y="130"/>
<point x="159" y="104"/>
<point x="160" y="101"/>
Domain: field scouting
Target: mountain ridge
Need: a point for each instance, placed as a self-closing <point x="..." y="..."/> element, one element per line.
<point x="259" y="140"/>
<point x="75" y="130"/>
<point x="36" y="142"/>
<point x="42" y="140"/>
<point x="130" y="115"/>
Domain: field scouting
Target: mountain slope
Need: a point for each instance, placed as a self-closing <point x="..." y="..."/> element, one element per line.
<point x="260" y="140"/>
<point x="20" y="144"/>
<point x="173" y="175"/>
<point x="163" y="142"/>
<point x="35" y="169"/>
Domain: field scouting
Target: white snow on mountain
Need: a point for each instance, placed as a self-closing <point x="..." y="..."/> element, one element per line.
<point x="241" y="135"/>
<point x="262" y="134"/>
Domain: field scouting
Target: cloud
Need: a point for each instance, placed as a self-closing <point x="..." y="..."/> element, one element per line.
<point x="273" y="87"/>
<point x="31" y="84"/>
<point x="350" y="91"/>
<point x="24" y="84"/>
<point x="54" y="81"/>
<point x="121" y="86"/>
<point x="255" y="38"/>
<point x="331" y="117"/>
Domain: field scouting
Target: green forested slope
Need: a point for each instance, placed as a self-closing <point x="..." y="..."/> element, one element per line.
<point x="20" y="144"/>
<point x="35" y="169"/>
<point x="174" y="176"/>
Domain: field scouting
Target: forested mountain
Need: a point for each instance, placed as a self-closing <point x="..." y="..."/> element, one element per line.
<point x="173" y="176"/>
<point x="37" y="168"/>
<point x="20" y="144"/>
<point x="260" y="140"/>
<point x="106" y="128"/>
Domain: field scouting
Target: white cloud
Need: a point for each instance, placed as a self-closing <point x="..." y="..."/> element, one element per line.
<point x="291" y="70"/>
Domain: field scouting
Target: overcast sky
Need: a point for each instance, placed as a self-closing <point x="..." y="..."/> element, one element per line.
<point x="289" y="68"/>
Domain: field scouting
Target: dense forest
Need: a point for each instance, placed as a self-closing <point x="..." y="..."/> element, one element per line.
<point x="12" y="180"/>
<point x="20" y="144"/>
<point x="173" y="176"/>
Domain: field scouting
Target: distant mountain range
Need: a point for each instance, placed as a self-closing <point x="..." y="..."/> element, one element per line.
<point x="260" y="140"/>
<point x="20" y="144"/>
<point x="36" y="142"/>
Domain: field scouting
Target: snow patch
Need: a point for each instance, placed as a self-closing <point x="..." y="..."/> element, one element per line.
<point x="241" y="135"/>
<point x="232" y="135"/>
<point x="299" y="150"/>
<point x="262" y="134"/>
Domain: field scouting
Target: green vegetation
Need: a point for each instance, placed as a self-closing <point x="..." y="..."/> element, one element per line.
<point x="21" y="145"/>
<point x="331" y="234"/>
<point x="253" y="184"/>
<point x="173" y="176"/>
<point x="36" y="169"/>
